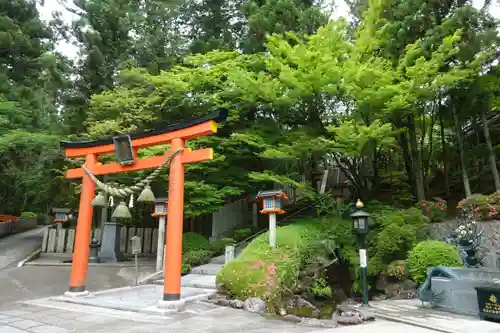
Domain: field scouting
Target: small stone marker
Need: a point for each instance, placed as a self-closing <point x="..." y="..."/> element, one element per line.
<point x="229" y="253"/>
<point x="135" y="245"/>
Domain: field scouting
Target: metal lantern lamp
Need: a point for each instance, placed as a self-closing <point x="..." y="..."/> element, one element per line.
<point x="161" y="211"/>
<point x="360" y="225"/>
<point x="360" y="219"/>
<point x="272" y="203"/>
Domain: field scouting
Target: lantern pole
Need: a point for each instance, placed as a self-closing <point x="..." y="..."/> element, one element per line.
<point x="360" y="223"/>
<point x="363" y="263"/>
<point x="160" y="249"/>
<point x="272" y="230"/>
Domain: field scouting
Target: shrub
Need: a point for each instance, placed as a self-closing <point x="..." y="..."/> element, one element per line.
<point x="192" y="241"/>
<point x="219" y="246"/>
<point x="25" y="215"/>
<point x="483" y="207"/>
<point x="320" y="288"/>
<point x="392" y="234"/>
<point x="435" y="210"/>
<point x="241" y="234"/>
<point x="185" y="269"/>
<point x="431" y="253"/>
<point x="397" y="270"/>
<point x="196" y="257"/>
<point x="261" y="271"/>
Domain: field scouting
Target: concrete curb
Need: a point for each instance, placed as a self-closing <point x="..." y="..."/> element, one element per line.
<point x="33" y="255"/>
<point x="411" y="323"/>
<point x="101" y="264"/>
<point x="150" y="278"/>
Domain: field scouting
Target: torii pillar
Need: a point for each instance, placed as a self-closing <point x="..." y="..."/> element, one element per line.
<point x="175" y="135"/>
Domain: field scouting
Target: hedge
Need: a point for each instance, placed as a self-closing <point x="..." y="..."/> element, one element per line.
<point x="261" y="271"/>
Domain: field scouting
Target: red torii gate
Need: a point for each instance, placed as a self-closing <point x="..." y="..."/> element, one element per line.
<point x="175" y="135"/>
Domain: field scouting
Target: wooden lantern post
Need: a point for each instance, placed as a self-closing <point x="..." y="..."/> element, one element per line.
<point x="161" y="211"/>
<point x="125" y="148"/>
<point x="272" y="205"/>
<point x="61" y="215"/>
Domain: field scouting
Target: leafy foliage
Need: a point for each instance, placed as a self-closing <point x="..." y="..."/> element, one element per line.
<point x="261" y="271"/>
<point x="431" y="254"/>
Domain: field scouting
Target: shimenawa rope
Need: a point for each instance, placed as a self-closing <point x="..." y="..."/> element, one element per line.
<point x="123" y="192"/>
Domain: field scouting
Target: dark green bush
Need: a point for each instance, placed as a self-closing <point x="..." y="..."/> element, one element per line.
<point x="185" y="269"/>
<point x="196" y="257"/>
<point x="219" y="246"/>
<point x="241" y="234"/>
<point x="192" y="241"/>
<point x="431" y="253"/>
<point x="261" y="271"/>
<point x="392" y="234"/>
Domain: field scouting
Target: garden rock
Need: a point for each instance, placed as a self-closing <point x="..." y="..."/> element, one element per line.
<point x="236" y="303"/>
<point x="397" y="290"/>
<point x="299" y="305"/>
<point x="220" y="300"/>
<point x="345" y="315"/>
<point x="292" y="318"/>
<point x="254" y="304"/>
<point x="313" y="322"/>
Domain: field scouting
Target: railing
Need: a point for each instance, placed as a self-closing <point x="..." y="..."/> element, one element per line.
<point x="63" y="240"/>
<point x="238" y="247"/>
<point x="5" y="218"/>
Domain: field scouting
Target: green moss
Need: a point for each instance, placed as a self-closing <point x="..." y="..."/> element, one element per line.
<point x="251" y="274"/>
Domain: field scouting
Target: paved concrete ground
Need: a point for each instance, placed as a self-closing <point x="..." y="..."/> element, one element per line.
<point x="411" y="311"/>
<point x="15" y="247"/>
<point x="199" y="318"/>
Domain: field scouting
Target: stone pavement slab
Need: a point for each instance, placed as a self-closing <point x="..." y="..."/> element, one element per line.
<point x="411" y="312"/>
<point x="208" y="269"/>
<point x="141" y="298"/>
<point x="55" y="317"/>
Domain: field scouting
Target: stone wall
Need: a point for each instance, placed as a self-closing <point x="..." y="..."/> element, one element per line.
<point x="490" y="242"/>
<point x="16" y="226"/>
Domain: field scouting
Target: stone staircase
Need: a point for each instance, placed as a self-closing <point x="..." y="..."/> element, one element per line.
<point x="201" y="277"/>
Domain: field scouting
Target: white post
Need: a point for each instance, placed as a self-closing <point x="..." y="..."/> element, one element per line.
<point x="229" y="253"/>
<point x="160" y="252"/>
<point x="272" y="230"/>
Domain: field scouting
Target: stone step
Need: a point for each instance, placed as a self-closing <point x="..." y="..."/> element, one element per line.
<point x="208" y="269"/>
<point x="195" y="281"/>
<point x="220" y="260"/>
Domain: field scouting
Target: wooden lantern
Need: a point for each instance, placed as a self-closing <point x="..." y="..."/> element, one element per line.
<point x="272" y="201"/>
<point x="61" y="214"/>
<point x="161" y="207"/>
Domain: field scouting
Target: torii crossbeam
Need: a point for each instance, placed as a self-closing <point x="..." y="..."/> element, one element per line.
<point x="175" y="135"/>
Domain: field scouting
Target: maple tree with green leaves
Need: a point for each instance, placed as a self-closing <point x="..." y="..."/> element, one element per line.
<point x="390" y="98"/>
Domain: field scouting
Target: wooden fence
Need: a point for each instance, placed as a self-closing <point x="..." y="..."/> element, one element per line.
<point x="63" y="240"/>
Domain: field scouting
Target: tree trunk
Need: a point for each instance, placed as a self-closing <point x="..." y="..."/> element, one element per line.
<point x="445" y="158"/>
<point x="491" y="152"/>
<point x="416" y="160"/>
<point x="403" y="143"/>
<point x="460" y="142"/>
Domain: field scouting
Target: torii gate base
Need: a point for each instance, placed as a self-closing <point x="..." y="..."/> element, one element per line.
<point x="175" y="135"/>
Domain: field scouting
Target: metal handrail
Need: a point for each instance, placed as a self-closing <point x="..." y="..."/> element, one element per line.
<point x="249" y="238"/>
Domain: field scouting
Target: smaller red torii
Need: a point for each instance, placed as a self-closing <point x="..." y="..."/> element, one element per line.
<point x="175" y="135"/>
